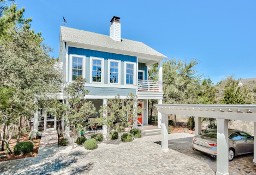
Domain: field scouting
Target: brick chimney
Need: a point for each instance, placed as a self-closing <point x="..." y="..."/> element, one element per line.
<point x="115" y="28"/>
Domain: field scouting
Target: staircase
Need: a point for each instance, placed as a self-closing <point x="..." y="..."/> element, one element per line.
<point x="150" y="130"/>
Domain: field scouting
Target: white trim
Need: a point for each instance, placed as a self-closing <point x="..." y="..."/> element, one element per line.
<point x="119" y="71"/>
<point x="110" y="85"/>
<point x="66" y="63"/>
<point x="70" y="65"/>
<point x="142" y="75"/>
<point x="102" y="70"/>
<point x="134" y="73"/>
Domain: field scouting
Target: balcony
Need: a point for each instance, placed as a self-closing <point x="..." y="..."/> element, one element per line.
<point x="149" y="89"/>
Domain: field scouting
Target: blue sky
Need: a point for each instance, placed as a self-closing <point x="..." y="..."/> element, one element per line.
<point x="220" y="35"/>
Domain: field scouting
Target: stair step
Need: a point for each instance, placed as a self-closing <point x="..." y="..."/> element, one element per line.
<point x="151" y="132"/>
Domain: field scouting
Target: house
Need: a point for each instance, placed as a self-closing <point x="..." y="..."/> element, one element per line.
<point x="111" y="66"/>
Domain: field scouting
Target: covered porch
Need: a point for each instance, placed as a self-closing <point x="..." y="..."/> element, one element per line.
<point x="222" y="113"/>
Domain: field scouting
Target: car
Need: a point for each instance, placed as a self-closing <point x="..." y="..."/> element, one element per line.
<point x="239" y="143"/>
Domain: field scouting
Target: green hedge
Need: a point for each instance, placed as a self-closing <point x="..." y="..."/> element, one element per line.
<point x="136" y="133"/>
<point x="23" y="148"/>
<point x="63" y="142"/>
<point x="113" y="135"/>
<point x="98" y="137"/>
<point x="80" y="140"/>
<point x="126" y="137"/>
<point x="90" y="144"/>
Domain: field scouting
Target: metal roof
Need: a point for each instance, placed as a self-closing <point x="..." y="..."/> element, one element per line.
<point x="134" y="48"/>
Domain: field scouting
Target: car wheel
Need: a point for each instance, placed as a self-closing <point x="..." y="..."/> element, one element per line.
<point x="231" y="154"/>
<point x="213" y="156"/>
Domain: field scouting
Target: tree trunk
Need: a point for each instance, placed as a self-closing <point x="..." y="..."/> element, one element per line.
<point x="19" y="128"/>
<point x="3" y="138"/>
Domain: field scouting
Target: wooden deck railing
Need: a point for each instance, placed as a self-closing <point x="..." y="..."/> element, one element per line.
<point x="148" y="86"/>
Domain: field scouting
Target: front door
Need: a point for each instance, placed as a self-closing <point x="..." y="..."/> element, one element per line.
<point x="140" y="114"/>
<point x="140" y="75"/>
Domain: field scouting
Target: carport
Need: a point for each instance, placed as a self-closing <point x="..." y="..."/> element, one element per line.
<point x="222" y="113"/>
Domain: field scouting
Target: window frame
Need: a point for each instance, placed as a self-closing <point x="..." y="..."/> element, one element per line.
<point x="71" y="56"/>
<point x="119" y="71"/>
<point x="134" y="73"/>
<point x="102" y="69"/>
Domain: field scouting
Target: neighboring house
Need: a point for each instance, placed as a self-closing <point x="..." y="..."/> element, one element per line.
<point x="111" y="65"/>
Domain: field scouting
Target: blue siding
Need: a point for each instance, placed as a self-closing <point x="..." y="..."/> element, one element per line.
<point x="142" y="66"/>
<point x="93" y="53"/>
<point x="110" y="91"/>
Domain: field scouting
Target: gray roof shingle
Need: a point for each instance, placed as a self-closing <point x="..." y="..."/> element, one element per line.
<point x="95" y="39"/>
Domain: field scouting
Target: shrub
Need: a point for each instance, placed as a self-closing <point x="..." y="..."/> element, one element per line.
<point x="63" y="142"/>
<point x="80" y="140"/>
<point x="114" y="135"/>
<point x="136" y="133"/>
<point x="23" y="147"/>
<point x="191" y="123"/>
<point x="90" y="144"/>
<point x="98" y="137"/>
<point x="126" y="137"/>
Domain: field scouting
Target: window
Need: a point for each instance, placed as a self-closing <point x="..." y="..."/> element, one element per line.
<point x="141" y="75"/>
<point x="97" y="70"/>
<point x="130" y="73"/>
<point x="77" y="67"/>
<point x="114" y="72"/>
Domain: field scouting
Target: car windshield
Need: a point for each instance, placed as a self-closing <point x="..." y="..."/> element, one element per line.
<point x="211" y="133"/>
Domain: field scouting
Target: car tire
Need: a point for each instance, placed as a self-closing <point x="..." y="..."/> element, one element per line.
<point x="213" y="156"/>
<point x="231" y="154"/>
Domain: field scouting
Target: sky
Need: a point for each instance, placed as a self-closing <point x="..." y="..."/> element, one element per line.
<point x="220" y="35"/>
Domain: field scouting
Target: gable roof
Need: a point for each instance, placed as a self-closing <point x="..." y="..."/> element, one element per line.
<point x="134" y="48"/>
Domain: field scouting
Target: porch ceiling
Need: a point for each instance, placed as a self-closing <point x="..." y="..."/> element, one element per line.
<point x="231" y="112"/>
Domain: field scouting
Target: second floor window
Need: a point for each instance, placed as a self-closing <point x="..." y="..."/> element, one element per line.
<point x="77" y="67"/>
<point x="114" y="72"/>
<point x="130" y="73"/>
<point x="96" y="70"/>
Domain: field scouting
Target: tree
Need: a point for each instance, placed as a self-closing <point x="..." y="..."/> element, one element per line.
<point x="79" y="109"/>
<point x="234" y="92"/>
<point x="207" y="92"/>
<point x="25" y="65"/>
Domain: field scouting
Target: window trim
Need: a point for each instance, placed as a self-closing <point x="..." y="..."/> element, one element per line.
<point x="102" y="69"/>
<point x="134" y="73"/>
<point x="119" y="71"/>
<point x="143" y="76"/>
<point x="71" y="56"/>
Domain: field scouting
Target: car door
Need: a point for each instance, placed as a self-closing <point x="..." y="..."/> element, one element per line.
<point x="248" y="142"/>
<point x="239" y="143"/>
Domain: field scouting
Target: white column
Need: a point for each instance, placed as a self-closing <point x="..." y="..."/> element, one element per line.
<point x="44" y="113"/>
<point x="35" y="123"/>
<point x="254" y="154"/>
<point x="222" y="147"/>
<point x="159" y="116"/>
<point x="145" y="119"/>
<point x="160" y="76"/>
<point x="198" y="125"/>
<point x="164" y="126"/>
<point x="104" y="127"/>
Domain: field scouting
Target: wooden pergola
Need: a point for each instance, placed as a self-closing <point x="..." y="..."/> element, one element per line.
<point x="222" y="113"/>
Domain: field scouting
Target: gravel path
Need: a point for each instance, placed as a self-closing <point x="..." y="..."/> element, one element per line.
<point x="142" y="156"/>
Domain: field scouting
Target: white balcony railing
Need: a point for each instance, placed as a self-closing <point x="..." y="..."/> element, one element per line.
<point x="148" y="86"/>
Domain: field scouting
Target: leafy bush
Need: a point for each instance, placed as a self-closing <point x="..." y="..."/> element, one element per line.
<point x="191" y="123"/>
<point x="114" y="135"/>
<point x="90" y="144"/>
<point x="98" y="137"/>
<point x="170" y="123"/>
<point x="126" y="137"/>
<point x="136" y="133"/>
<point x="63" y="142"/>
<point x="23" y="147"/>
<point x="80" y="140"/>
